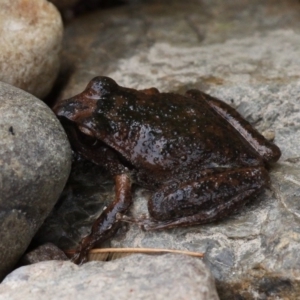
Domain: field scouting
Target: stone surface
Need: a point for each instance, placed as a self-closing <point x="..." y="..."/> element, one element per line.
<point x="135" y="277"/>
<point x="145" y="41"/>
<point x="31" y="33"/>
<point x="246" y="54"/>
<point x="35" y="160"/>
<point x="44" y="252"/>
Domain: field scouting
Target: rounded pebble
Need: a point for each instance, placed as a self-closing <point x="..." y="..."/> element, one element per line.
<point x="31" y="33"/>
<point x="35" y="161"/>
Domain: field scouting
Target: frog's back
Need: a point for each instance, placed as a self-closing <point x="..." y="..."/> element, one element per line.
<point x="164" y="131"/>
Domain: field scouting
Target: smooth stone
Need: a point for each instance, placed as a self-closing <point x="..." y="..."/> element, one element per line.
<point x="135" y="277"/>
<point x="35" y="161"/>
<point x="31" y="33"/>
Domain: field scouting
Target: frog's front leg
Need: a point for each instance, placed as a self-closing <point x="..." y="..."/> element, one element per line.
<point x="206" y="200"/>
<point x="107" y="224"/>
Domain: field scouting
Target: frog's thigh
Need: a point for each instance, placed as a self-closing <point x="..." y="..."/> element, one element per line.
<point x="206" y="200"/>
<point x="266" y="149"/>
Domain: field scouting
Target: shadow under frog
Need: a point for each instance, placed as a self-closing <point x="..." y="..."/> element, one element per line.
<point x="197" y="155"/>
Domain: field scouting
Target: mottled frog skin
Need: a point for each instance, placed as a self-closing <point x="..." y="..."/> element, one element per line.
<point x="197" y="155"/>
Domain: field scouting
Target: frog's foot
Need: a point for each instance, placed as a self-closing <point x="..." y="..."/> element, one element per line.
<point x="81" y="255"/>
<point x="78" y="258"/>
<point x="144" y="223"/>
<point x="141" y="221"/>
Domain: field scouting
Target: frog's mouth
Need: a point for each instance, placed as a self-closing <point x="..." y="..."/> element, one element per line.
<point x="77" y="136"/>
<point x="68" y="125"/>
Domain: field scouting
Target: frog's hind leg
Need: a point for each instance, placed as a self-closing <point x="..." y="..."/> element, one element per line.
<point x="266" y="149"/>
<point x="107" y="224"/>
<point x="206" y="200"/>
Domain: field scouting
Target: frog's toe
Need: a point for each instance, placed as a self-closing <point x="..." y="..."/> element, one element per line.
<point x="143" y="221"/>
<point x="79" y="258"/>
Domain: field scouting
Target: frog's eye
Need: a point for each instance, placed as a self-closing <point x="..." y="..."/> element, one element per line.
<point x="101" y="86"/>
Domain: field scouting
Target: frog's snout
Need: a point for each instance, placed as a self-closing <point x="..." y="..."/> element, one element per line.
<point x="69" y="108"/>
<point x="63" y="109"/>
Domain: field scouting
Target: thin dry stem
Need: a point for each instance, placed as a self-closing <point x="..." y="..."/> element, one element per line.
<point x="140" y="250"/>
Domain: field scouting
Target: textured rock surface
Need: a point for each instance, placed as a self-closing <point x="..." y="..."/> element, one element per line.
<point x="135" y="277"/>
<point x="209" y="29"/>
<point x="35" y="162"/>
<point x="44" y="252"/>
<point x="241" y="54"/>
<point x="31" y="32"/>
<point x="87" y="191"/>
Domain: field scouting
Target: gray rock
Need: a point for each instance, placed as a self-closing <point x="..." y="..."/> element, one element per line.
<point x="31" y="33"/>
<point x="135" y="277"/>
<point x="35" y="161"/>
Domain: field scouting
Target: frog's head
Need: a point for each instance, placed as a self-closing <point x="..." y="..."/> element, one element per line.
<point x="85" y="103"/>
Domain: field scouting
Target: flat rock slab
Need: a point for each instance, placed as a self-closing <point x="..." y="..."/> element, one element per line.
<point x="135" y="277"/>
<point x="242" y="55"/>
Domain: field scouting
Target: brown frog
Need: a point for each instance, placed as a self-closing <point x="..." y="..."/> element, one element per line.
<point x="197" y="155"/>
